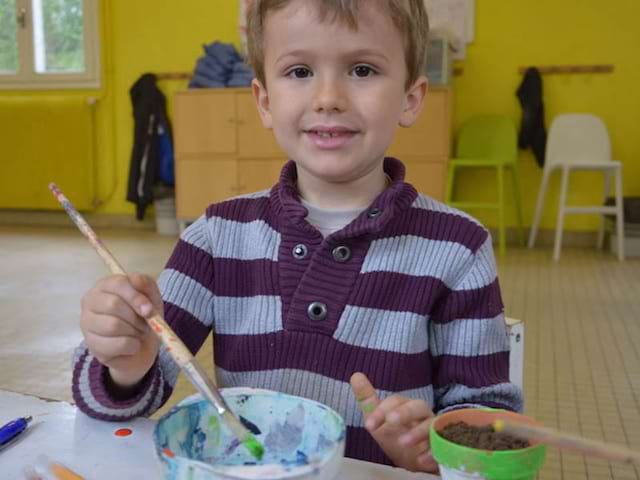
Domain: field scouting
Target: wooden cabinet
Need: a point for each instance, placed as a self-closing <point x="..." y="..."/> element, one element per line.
<point x="425" y="147"/>
<point x="222" y="149"/>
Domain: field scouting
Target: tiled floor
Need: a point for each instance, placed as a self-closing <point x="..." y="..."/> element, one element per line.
<point x="582" y="318"/>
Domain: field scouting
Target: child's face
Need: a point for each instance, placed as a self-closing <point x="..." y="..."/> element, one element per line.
<point x="334" y="96"/>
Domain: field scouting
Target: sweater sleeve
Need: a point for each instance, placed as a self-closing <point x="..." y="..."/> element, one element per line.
<point x="186" y="286"/>
<point x="469" y="341"/>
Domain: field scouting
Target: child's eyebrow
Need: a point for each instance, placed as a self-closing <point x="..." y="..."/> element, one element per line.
<point x="356" y="53"/>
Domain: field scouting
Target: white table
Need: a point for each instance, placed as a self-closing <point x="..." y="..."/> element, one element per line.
<point x="90" y="447"/>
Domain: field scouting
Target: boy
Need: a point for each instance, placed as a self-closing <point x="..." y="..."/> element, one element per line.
<point x="338" y="279"/>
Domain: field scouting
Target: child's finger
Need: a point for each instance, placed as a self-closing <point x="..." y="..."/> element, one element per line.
<point x="379" y="416"/>
<point x="408" y="412"/>
<point x="419" y="433"/>
<point x="427" y="463"/>
<point x="148" y="286"/>
<point x="365" y="394"/>
<point x="111" y="305"/>
<point x="110" y="326"/>
<point x="121" y="285"/>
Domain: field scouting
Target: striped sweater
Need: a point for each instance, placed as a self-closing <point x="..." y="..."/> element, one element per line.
<point x="407" y="293"/>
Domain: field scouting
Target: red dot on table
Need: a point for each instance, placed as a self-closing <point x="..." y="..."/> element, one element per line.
<point x="123" y="432"/>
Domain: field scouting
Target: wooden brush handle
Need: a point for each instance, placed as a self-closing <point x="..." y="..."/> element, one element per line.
<point x="567" y="441"/>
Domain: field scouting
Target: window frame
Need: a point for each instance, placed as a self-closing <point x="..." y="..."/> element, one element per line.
<point x="26" y="78"/>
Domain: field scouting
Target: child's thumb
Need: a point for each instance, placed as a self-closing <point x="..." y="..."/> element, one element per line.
<point x="365" y="394"/>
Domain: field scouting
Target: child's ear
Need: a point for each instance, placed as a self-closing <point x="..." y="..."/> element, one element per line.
<point x="414" y="100"/>
<point x="262" y="101"/>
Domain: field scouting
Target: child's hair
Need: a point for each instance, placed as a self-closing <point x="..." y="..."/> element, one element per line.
<point x="409" y="17"/>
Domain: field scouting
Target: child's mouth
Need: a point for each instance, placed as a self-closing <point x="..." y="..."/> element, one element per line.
<point x="330" y="138"/>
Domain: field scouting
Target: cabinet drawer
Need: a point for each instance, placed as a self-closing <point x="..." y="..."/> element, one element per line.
<point x="430" y="135"/>
<point x="205" y="123"/>
<point x="428" y="177"/>
<point x="254" y="141"/>
<point x="201" y="182"/>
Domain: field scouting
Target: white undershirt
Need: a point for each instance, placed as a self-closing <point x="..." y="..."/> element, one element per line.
<point x="328" y="221"/>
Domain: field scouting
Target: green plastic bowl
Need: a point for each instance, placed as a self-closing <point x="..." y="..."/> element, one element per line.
<point x="462" y="463"/>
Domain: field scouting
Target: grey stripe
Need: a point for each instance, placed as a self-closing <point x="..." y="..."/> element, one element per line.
<point x="416" y="256"/>
<point x="168" y="367"/>
<point x="243" y="241"/>
<point x="504" y="393"/>
<point x="332" y="393"/>
<point x="196" y="235"/>
<point x="404" y="332"/>
<point x="248" y="315"/>
<point x="470" y="337"/>
<point x="483" y="271"/>
<point x="87" y="395"/>
<point x="259" y="194"/>
<point x="427" y="203"/>
<point x="184" y="292"/>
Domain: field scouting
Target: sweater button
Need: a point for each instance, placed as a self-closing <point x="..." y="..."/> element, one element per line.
<point x="300" y="251"/>
<point x="341" y="254"/>
<point x="374" y="212"/>
<point x="317" y="311"/>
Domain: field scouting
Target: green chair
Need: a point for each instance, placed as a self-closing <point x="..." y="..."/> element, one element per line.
<point x="488" y="141"/>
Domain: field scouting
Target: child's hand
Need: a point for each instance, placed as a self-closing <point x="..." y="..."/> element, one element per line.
<point x="114" y="328"/>
<point x="398" y="424"/>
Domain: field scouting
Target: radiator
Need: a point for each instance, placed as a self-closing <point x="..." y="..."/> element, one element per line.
<point x="46" y="139"/>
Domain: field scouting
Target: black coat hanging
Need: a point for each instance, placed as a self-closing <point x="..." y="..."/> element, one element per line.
<point x="532" y="132"/>
<point x="149" y="112"/>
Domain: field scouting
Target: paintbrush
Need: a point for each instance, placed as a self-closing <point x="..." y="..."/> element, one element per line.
<point x="175" y="347"/>
<point x="568" y="441"/>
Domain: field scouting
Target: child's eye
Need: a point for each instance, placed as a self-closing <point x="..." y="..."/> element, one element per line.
<point x="299" y="72"/>
<point x="363" y="71"/>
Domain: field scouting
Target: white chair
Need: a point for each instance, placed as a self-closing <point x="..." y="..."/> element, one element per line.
<point x="580" y="142"/>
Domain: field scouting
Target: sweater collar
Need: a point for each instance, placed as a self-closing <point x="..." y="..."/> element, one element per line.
<point x="396" y="198"/>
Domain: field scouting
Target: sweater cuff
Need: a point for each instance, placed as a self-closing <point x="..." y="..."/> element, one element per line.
<point x="93" y="396"/>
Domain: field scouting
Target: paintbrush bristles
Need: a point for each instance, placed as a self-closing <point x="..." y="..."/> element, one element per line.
<point x="567" y="441"/>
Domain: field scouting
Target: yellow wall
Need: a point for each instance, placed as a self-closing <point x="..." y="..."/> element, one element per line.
<point x="510" y="34"/>
<point x="154" y="36"/>
<point x="163" y="35"/>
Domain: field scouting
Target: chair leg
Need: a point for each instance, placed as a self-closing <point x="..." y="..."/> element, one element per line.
<point x="619" y="213"/>
<point x="539" y="206"/>
<point x="448" y="196"/>
<point x="603" y="220"/>
<point x="515" y="171"/>
<point x="560" y="220"/>
<point x="502" y="234"/>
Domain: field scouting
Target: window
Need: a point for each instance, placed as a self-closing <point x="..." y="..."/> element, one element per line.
<point x="49" y="44"/>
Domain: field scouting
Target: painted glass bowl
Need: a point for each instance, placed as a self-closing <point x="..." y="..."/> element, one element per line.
<point x="303" y="439"/>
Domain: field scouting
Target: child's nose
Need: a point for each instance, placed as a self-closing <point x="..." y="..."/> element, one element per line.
<point x="330" y="97"/>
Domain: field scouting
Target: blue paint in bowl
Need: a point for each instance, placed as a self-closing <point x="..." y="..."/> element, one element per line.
<point x="303" y="439"/>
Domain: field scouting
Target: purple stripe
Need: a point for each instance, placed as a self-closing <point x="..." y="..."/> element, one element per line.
<point x="244" y="210"/>
<point x="398" y="292"/>
<point x="323" y="355"/>
<point x="485" y="302"/>
<point x="361" y="446"/>
<point x="245" y="278"/>
<point x="439" y="226"/>
<point x="191" y="331"/>
<point x="473" y="372"/>
<point x="193" y="262"/>
<point x="324" y="280"/>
